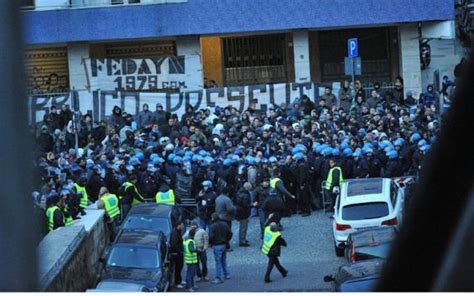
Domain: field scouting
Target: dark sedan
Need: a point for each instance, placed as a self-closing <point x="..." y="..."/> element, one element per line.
<point x="138" y="256"/>
<point x="151" y="216"/>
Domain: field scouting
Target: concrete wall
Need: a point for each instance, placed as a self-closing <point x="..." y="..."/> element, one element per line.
<point x="213" y="68"/>
<point x="69" y="256"/>
<point x="301" y="56"/>
<point x="445" y="55"/>
<point x="191" y="46"/>
<point x="410" y="58"/>
<point x="76" y="53"/>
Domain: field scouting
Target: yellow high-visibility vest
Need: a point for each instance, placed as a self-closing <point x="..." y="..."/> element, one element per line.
<point x="269" y="238"/>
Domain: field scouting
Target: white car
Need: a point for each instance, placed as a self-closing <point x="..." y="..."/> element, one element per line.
<point x="367" y="203"/>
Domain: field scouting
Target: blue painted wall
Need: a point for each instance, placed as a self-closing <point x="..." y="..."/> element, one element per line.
<point x="200" y="17"/>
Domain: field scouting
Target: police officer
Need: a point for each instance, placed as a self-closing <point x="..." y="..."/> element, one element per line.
<point x="191" y="260"/>
<point x="374" y="163"/>
<point x="276" y="184"/>
<point x="206" y="204"/>
<point x="302" y="181"/>
<point x="129" y="195"/>
<point x="80" y="190"/>
<point x="394" y="168"/>
<point x="165" y="195"/>
<point x="272" y="242"/>
<point x="334" y="180"/>
<point x="110" y="203"/>
<point x="63" y="204"/>
<point x="360" y="165"/>
<point x="53" y="213"/>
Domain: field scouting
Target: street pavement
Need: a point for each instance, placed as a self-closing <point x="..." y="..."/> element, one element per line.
<point x="309" y="257"/>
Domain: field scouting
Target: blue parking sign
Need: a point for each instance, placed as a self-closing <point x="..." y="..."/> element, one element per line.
<point x="352" y="47"/>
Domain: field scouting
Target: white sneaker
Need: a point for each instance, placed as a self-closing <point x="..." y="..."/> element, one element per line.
<point x="179" y="286"/>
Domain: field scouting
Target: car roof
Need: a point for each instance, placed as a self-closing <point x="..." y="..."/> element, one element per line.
<point x="151" y="209"/>
<point x="371" y="184"/>
<point x="359" y="269"/>
<point x="376" y="235"/>
<point x="138" y="237"/>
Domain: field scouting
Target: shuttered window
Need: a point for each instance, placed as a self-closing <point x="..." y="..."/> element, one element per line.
<point x="47" y="70"/>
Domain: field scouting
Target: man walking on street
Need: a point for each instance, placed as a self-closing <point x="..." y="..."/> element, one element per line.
<point x="272" y="242"/>
<point x="333" y="182"/>
<point x="243" y="213"/>
<point x="201" y="240"/>
<point x="176" y="251"/>
<point x="219" y="238"/>
<point x="190" y="258"/>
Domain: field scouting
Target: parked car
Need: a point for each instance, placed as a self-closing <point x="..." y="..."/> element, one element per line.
<point x="139" y="256"/>
<point x="357" y="277"/>
<point x="370" y="244"/>
<point x="119" y="286"/>
<point x="364" y="204"/>
<point x="151" y="216"/>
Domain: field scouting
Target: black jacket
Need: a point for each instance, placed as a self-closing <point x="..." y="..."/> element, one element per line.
<point x="176" y="242"/>
<point x="242" y="203"/>
<point x="219" y="233"/>
<point x="276" y="248"/>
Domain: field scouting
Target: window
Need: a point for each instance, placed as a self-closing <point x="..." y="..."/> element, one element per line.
<point x="393" y="193"/>
<point x="362" y="187"/>
<point x="149" y="223"/>
<point x="134" y="257"/>
<point x="365" y="211"/>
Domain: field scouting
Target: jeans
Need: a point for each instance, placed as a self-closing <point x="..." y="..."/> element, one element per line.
<point x="190" y="273"/>
<point x="243" y="230"/>
<point x="253" y="210"/>
<point x="221" y="261"/>
<point x="177" y="261"/>
<point x="262" y="219"/>
<point x="202" y="264"/>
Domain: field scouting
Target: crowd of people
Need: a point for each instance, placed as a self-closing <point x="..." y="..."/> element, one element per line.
<point x="233" y="164"/>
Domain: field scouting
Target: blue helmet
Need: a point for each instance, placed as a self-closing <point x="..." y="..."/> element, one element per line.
<point x="273" y="159"/>
<point x="264" y="160"/>
<point x="357" y="153"/>
<point x="362" y="132"/>
<point x="203" y="153"/>
<point x="298" y="156"/>
<point x="398" y="142"/>
<point x="187" y="158"/>
<point x="320" y="148"/>
<point x="153" y="156"/>
<point x="158" y="160"/>
<point x="344" y="145"/>
<point x="197" y="157"/>
<point x="384" y="144"/>
<point x="426" y="148"/>
<point x="177" y="160"/>
<point x="189" y="154"/>
<point x="228" y="162"/>
<point x="393" y="154"/>
<point x="171" y="156"/>
<point x="140" y="155"/>
<point x="207" y="184"/>
<point x="368" y="150"/>
<point x="388" y="148"/>
<point x="315" y="146"/>
<point x="422" y="143"/>
<point x="134" y="161"/>
<point x="336" y="152"/>
<point x="415" y="137"/>
<point x="327" y="151"/>
<point x="347" y="152"/>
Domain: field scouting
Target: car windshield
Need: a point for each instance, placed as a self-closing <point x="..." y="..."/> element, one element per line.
<point x="134" y="257"/>
<point x="377" y="251"/>
<point x="364" y="211"/>
<point x="363" y="187"/>
<point x="148" y="223"/>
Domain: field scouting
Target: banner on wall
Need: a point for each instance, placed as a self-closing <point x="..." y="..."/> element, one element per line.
<point x="100" y="103"/>
<point x="181" y="72"/>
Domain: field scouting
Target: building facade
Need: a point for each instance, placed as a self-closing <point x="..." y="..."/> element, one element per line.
<point x="132" y="43"/>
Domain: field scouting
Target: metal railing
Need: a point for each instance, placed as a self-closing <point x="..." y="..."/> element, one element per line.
<point x="255" y="75"/>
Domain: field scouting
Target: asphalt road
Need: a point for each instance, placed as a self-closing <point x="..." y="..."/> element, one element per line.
<point x="309" y="257"/>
